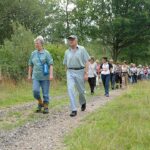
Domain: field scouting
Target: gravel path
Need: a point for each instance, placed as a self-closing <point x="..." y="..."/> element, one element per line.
<point x="26" y="106"/>
<point x="48" y="134"/>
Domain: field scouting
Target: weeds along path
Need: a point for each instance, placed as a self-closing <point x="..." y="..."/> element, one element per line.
<point x="48" y="133"/>
<point x="25" y="106"/>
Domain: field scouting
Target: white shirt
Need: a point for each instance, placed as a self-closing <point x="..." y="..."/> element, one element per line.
<point x="113" y="68"/>
<point x="92" y="70"/>
<point x="105" y="69"/>
<point x="124" y="68"/>
<point x="141" y="71"/>
<point x="133" y="70"/>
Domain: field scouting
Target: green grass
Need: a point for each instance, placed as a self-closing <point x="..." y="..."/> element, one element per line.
<point x="19" y="118"/>
<point x="12" y="95"/>
<point x="122" y="124"/>
<point x="22" y="93"/>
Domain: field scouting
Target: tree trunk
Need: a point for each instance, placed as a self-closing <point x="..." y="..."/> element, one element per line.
<point x="67" y="18"/>
<point x="115" y="54"/>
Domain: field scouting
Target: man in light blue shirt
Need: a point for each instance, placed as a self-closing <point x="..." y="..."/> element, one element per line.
<point x="76" y="62"/>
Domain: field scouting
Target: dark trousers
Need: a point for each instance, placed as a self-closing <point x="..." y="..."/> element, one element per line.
<point x="112" y="80"/>
<point x="105" y="80"/>
<point x="134" y="78"/>
<point x="118" y="81"/>
<point x="92" y="82"/>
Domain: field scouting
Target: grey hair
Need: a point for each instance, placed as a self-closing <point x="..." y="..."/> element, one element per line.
<point x="39" y="38"/>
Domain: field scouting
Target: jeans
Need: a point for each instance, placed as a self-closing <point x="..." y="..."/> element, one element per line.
<point x="112" y="80"/>
<point x="105" y="80"/>
<point x="75" y="78"/>
<point x="134" y="78"/>
<point x="45" y="85"/>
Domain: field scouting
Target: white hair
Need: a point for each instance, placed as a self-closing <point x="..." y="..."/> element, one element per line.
<point x="39" y="38"/>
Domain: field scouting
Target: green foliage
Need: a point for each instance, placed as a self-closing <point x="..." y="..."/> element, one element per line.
<point x="117" y="24"/>
<point x="58" y="52"/>
<point x="122" y="23"/>
<point x="29" y="13"/>
<point x="15" y="53"/>
<point x="138" y="54"/>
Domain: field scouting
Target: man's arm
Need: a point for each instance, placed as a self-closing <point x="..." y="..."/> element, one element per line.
<point x="86" y="70"/>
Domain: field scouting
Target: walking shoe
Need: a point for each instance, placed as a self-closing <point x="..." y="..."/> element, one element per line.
<point x="39" y="108"/>
<point x="107" y="95"/>
<point x="92" y="93"/>
<point x="73" y="114"/>
<point x="45" y="111"/>
<point x="83" y="107"/>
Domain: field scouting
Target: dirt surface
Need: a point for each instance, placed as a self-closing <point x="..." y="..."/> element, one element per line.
<point x="48" y="133"/>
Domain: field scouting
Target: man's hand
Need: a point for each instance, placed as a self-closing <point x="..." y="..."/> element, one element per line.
<point x="86" y="76"/>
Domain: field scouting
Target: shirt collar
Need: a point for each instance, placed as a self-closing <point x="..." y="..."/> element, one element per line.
<point x="76" y="48"/>
<point x="105" y="63"/>
<point x="41" y="52"/>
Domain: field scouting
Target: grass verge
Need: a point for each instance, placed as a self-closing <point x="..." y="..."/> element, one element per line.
<point x="12" y="95"/>
<point x="122" y="124"/>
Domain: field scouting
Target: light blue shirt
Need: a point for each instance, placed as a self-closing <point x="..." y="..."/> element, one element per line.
<point x="76" y="59"/>
<point x="34" y="61"/>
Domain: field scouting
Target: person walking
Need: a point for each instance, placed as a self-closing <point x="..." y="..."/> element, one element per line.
<point x="76" y="60"/>
<point x="98" y="72"/>
<point x="92" y="74"/>
<point x="112" y="74"/>
<point x="134" y="73"/>
<point x="118" y="73"/>
<point x="125" y="70"/>
<point x="105" y="74"/>
<point x="148" y="72"/>
<point x="141" y="70"/>
<point x="41" y="73"/>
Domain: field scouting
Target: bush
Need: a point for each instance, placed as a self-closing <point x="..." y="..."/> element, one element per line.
<point x="15" y="53"/>
<point x="57" y="52"/>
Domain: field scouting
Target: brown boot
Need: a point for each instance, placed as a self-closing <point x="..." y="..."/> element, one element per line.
<point x="46" y="110"/>
<point x="40" y="105"/>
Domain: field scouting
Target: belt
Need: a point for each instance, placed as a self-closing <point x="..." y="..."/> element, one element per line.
<point x="76" y="68"/>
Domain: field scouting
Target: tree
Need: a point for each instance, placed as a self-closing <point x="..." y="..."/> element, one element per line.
<point x="30" y="13"/>
<point x="121" y="23"/>
<point x="16" y="52"/>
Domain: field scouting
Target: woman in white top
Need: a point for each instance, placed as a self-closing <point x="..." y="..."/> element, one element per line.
<point x="92" y="74"/>
<point x="105" y="74"/>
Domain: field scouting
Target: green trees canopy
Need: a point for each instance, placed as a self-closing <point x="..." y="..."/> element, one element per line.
<point x="30" y="13"/>
<point x="120" y="27"/>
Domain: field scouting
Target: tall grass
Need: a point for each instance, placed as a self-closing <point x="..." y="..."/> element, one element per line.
<point x="12" y="94"/>
<point x="123" y="124"/>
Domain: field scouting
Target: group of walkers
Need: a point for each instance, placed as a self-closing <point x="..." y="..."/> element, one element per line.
<point x="79" y="68"/>
<point x="118" y="75"/>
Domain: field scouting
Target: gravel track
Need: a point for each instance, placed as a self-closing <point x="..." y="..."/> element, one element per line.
<point x="48" y="133"/>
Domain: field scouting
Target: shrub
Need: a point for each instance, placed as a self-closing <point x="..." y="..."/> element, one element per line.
<point x="15" y="53"/>
<point x="57" y="52"/>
